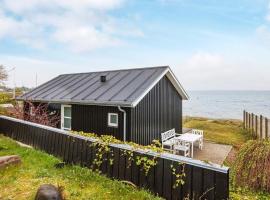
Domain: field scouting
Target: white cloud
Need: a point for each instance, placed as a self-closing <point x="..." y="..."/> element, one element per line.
<point x="32" y="66"/>
<point x="202" y="67"/>
<point x="82" y="25"/>
<point x="268" y="14"/>
<point x="204" y="60"/>
<point x="211" y="71"/>
<point x="84" y="38"/>
<point x="22" y="6"/>
<point x="263" y="31"/>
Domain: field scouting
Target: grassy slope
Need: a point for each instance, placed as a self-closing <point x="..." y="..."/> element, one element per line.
<point x="21" y="182"/>
<point x="226" y="132"/>
<point x="219" y="131"/>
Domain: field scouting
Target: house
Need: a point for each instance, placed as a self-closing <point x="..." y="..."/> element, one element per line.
<point x="132" y="104"/>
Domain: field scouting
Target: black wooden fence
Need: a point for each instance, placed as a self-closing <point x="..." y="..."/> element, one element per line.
<point x="202" y="180"/>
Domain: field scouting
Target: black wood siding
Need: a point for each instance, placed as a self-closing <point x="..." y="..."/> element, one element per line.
<point x="94" y="119"/>
<point x="159" y="111"/>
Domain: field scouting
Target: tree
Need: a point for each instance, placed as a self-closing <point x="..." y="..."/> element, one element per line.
<point x="39" y="114"/>
<point x="3" y="74"/>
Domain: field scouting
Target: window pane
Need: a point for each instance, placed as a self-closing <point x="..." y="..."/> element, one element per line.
<point x="67" y="111"/>
<point x="67" y="123"/>
<point x="114" y="119"/>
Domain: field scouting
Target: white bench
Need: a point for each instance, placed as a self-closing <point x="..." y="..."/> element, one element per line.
<point x="167" y="138"/>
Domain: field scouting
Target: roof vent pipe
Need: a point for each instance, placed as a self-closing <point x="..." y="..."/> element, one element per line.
<point x="103" y="79"/>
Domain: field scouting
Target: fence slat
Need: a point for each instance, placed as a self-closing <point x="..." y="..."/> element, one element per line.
<point x="244" y="119"/>
<point x="187" y="187"/>
<point x="209" y="188"/>
<point x="249" y="121"/>
<point x="89" y="154"/>
<point x="159" y="176"/>
<point x="116" y="163"/>
<point x="167" y="188"/>
<point x="197" y="182"/>
<point x="261" y="126"/>
<point x="122" y="165"/>
<point x="177" y="190"/>
<point x="84" y="153"/>
<point x="256" y="126"/>
<point x="222" y="181"/>
<point x="267" y="134"/>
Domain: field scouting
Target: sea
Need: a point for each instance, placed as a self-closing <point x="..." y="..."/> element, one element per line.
<point x="226" y="104"/>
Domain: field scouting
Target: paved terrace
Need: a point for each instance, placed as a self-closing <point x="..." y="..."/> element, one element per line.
<point x="212" y="152"/>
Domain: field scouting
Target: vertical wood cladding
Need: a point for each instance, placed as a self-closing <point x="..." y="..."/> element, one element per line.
<point x="94" y="119"/>
<point x="159" y="111"/>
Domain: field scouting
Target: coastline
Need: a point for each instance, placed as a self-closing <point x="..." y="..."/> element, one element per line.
<point x="211" y="118"/>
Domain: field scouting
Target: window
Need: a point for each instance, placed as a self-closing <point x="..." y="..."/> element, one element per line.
<point x="66" y="117"/>
<point x="113" y="119"/>
<point x="32" y="111"/>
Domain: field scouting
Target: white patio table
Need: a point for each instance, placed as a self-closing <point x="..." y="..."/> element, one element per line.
<point x="191" y="138"/>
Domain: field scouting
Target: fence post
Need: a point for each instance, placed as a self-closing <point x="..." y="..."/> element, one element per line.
<point x="261" y="126"/>
<point x="266" y="128"/>
<point x="252" y="123"/>
<point x="256" y="125"/>
<point x="244" y="119"/>
<point x="249" y="121"/>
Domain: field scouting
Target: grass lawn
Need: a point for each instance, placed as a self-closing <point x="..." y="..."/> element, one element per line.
<point x="22" y="181"/>
<point x="219" y="131"/>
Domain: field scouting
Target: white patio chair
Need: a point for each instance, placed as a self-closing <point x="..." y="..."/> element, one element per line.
<point x="199" y="132"/>
<point x="182" y="146"/>
<point x="167" y="139"/>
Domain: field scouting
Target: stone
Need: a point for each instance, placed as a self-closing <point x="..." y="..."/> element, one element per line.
<point x="24" y="145"/>
<point x="48" y="192"/>
<point x="9" y="160"/>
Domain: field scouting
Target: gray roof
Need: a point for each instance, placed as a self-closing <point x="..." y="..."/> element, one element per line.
<point x="122" y="87"/>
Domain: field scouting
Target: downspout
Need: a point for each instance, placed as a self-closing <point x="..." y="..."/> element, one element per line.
<point x="124" y="128"/>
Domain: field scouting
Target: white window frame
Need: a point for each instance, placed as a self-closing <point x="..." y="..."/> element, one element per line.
<point x="31" y="111"/>
<point x="63" y="117"/>
<point x="110" y="124"/>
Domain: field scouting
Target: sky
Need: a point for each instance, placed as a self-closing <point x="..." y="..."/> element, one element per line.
<point x="209" y="44"/>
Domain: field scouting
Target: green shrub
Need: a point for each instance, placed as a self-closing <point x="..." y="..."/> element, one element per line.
<point x="252" y="166"/>
<point x="5" y="98"/>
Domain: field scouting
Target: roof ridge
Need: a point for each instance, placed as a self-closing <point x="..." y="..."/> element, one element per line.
<point x="115" y="70"/>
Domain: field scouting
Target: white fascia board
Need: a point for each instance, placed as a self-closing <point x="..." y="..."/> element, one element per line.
<point x="177" y="85"/>
<point x="135" y="103"/>
<point x="168" y="72"/>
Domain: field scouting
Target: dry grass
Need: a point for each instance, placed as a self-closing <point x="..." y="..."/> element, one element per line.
<point x="221" y="131"/>
<point x="252" y="165"/>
